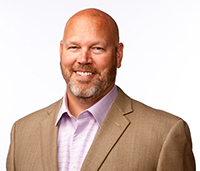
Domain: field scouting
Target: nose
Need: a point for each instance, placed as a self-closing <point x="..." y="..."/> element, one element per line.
<point x="84" y="57"/>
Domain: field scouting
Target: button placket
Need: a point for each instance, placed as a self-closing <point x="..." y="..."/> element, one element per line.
<point x="82" y="123"/>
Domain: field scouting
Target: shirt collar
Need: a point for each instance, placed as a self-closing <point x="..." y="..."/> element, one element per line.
<point x="99" y="110"/>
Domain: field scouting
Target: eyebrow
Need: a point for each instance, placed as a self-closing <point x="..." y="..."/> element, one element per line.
<point x="71" y="42"/>
<point x="92" y="43"/>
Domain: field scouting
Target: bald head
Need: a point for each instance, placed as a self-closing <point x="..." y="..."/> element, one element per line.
<point x="94" y="17"/>
<point x="90" y="54"/>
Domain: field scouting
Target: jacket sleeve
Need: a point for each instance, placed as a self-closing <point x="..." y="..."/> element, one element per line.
<point x="10" y="164"/>
<point x="176" y="153"/>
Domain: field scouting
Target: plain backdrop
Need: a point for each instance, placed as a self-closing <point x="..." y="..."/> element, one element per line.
<point x="161" y="63"/>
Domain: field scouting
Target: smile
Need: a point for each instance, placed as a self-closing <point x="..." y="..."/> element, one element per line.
<point x="84" y="74"/>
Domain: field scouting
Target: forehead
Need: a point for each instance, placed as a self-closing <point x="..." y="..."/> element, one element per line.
<point x="85" y="27"/>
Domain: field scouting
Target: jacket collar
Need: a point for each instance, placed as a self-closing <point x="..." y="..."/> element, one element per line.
<point x="49" y="133"/>
<point x="109" y="133"/>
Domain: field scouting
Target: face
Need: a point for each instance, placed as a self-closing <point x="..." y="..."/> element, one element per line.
<point x="89" y="58"/>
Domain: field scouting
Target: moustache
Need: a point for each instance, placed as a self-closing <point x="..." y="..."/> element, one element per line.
<point x="85" y="68"/>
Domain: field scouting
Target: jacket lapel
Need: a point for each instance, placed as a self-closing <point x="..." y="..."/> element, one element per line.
<point x="49" y="133"/>
<point x="109" y="133"/>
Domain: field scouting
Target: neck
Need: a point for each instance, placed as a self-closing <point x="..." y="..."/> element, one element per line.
<point x="77" y="105"/>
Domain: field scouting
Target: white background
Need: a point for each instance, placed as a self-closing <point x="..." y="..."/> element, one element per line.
<point x="160" y="66"/>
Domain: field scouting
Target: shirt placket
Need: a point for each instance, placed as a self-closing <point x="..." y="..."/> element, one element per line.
<point x="77" y="146"/>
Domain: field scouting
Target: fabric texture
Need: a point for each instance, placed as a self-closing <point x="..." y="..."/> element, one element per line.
<point x="132" y="137"/>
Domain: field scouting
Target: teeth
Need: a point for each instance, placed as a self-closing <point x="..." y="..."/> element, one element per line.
<point x="84" y="74"/>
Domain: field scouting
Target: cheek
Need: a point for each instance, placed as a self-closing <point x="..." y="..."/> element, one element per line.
<point x="66" y="61"/>
<point x="105" y="62"/>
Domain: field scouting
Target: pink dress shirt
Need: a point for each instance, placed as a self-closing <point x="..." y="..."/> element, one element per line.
<point x="75" y="135"/>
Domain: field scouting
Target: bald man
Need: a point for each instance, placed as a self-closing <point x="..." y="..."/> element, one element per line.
<point x="95" y="126"/>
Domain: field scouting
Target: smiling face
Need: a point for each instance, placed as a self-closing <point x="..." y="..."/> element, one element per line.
<point x="90" y="54"/>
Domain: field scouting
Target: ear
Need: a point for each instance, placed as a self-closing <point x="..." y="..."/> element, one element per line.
<point x="61" y="47"/>
<point x="120" y="48"/>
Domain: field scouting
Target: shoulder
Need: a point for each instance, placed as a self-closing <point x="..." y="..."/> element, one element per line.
<point x="146" y="120"/>
<point x="144" y="113"/>
<point x="39" y="115"/>
<point x="149" y="112"/>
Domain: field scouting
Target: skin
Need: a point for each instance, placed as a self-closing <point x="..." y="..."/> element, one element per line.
<point x="90" y="54"/>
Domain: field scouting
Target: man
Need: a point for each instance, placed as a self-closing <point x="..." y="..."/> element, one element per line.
<point x="96" y="126"/>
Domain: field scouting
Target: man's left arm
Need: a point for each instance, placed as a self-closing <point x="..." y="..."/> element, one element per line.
<point x="176" y="153"/>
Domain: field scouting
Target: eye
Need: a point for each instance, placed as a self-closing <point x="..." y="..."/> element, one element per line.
<point x="73" y="48"/>
<point x="97" y="49"/>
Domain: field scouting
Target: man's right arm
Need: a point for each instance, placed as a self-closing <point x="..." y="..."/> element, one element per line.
<point x="10" y="164"/>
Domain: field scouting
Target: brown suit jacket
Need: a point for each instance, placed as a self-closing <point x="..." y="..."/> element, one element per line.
<point x="133" y="137"/>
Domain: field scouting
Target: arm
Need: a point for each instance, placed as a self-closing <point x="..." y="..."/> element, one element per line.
<point x="176" y="153"/>
<point x="10" y="165"/>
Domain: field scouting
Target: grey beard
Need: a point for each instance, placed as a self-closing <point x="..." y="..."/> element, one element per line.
<point x="99" y="87"/>
<point x="94" y="91"/>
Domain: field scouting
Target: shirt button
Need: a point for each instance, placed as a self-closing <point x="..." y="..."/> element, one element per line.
<point x="79" y="136"/>
<point x="74" y="165"/>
